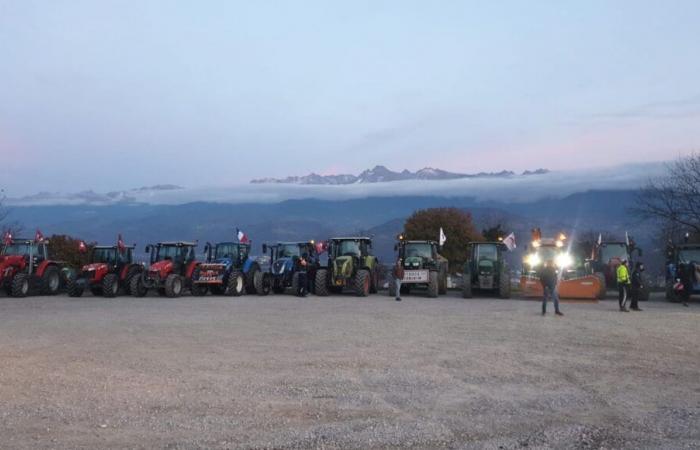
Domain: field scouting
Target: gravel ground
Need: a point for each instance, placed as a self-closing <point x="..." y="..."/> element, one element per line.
<point x="284" y="372"/>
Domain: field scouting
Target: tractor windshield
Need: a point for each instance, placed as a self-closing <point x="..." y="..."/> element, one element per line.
<point x="17" y="249"/>
<point x="104" y="255"/>
<point x="231" y="250"/>
<point x="548" y="253"/>
<point x="348" y="248"/>
<point x="611" y="251"/>
<point x="416" y="249"/>
<point x="175" y="253"/>
<point x="289" y="250"/>
<point x="689" y="255"/>
<point x="486" y="252"/>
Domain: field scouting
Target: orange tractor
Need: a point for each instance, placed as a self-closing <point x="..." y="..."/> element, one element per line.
<point x="575" y="280"/>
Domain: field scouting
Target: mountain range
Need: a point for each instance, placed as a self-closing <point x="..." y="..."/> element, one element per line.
<point x="381" y="174"/>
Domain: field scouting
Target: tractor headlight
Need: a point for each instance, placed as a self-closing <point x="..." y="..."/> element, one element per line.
<point x="533" y="259"/>
<point x="564" y="260"/>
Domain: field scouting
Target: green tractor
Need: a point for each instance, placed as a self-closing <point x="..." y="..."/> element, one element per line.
<point x="486" y="269"/>
<point x="423" y="266"/>
<point x="350" y="266"/>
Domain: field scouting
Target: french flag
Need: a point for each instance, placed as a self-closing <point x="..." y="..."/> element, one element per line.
<point x="242" y="237"/>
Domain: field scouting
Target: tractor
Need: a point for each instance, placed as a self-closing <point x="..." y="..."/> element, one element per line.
<point x="170" y="271"/>
<point x="423" y="266"/>
<point x="25" y="267"/>
<point x="228" y="270"/>
<point x="682" y="270"/>
<point x="486" y="269"/>
<point x="350" y="266"/>
<point x="290" y="264"/>
<point x="110" y="269"/>
<point x="607" y="256"/>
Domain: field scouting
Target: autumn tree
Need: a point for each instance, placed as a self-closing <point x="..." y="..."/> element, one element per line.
<point x="66" y="248"/>
<point x="457" y="225"/>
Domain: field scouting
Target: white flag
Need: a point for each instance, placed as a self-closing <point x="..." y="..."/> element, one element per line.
<point x="443" y="238"/>
<point x="627" y="239"/>
<point x="509" y="242"/>
<point x="600" y="238"/>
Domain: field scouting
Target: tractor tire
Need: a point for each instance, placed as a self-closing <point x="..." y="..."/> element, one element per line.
<point x="236" y="284"/>
<point x="75" y="289"/>
<point x="603" y="285"/>
<point x="110" y="285"/>
<point x="173" y="285"/>
<point x="295" y="283"/>
<point x="20" y="285"/>
<point x="467" y="285"/>
<point x="199" y="290"/>
<point x="250" y="280"/>
<point x="321" y="282"/>
<point x="361" y="283"/>
<point x="51" y="281"/>
<point x="126" y="282"/>
<point x="277" y="287"/>
<point x="442" y="280"/>
<point x="261" y="282"/>
<point x="504" y="283"/>
<point x="392" y="288"/>
<point x="136" y="287"/>
<point x="374" y="282"/>
<point x="433" y="284"/>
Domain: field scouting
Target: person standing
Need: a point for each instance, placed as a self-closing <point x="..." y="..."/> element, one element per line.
<point x="637" y="286"/>
<point x="549" y="278"/>
<point x="623" y="282"/>
<point x="398" y="276"/>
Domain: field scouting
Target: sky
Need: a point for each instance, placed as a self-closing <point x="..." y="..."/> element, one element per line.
<point x="114" y="95"/>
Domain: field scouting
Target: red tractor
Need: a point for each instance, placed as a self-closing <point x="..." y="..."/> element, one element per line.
<point x="170" y="272"/>
<point x="109" y="270"/>
<point x="25" y="267"/>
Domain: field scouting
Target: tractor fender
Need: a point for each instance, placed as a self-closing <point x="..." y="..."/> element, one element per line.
<point x="133" y="268"/>
<point x="43" y="266"/>
<point x="190" y="269"/>
<point x="248" y="265"/>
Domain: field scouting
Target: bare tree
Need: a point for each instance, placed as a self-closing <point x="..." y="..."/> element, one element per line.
<point x="674" y="200"/>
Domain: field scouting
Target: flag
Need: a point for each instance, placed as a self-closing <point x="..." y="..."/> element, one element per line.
<point x="443" y="238"/>
<point x="321" y="247"/>
<point x="82" y="247"/>
<point x="38" y="237"/>
<point x="509" y="242"/>
<point x="600" y="238"/>
<point x="120" y="244"/>
<point x="7" y="239"/>
<point x="627" y="239"/>
<point x="242" y="237"/>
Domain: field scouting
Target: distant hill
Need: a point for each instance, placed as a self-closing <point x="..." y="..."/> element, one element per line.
<point x="380" y="174"/>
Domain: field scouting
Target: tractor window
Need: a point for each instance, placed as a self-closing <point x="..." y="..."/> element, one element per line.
<point x="422" y="250"/>
<point x="610" y="251"/>
<point x="548" y="253"/>
<point x="224" y="251"/>
<point x="16" y="249"/>
<point x="486" y="252"/>
<point x="288" y="251"/>
<point x="104" y="255"/>
<point x="348" y="248"/>
<point x="169" y="252"/>
<point x="189" y="254"/>
<point x="689" y="255"/>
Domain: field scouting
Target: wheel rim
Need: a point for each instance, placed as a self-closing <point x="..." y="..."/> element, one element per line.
<point x="239" y="284"/>
<point x="115" y="288"/>
<point x="25" y="287"/>
<point x="177" y="286"/>
<point x="53" y="282"/>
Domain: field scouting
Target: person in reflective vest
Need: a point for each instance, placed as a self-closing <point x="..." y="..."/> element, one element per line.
<point x="623" y="283"/>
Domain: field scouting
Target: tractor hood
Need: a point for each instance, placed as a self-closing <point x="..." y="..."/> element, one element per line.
<point x="10" y="261"/>
<point x="282" y="265"/>
<point x="95" y="270"/>
<point x="342" y="266"/>
<point x="95" y="266"/>
<point x="163" y="268"/>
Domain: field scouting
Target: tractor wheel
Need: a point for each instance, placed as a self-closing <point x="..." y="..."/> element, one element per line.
<point x="504" y="283"/>
<point x="51" y="281"/>
<point x="75" y="289"/>
<point x="126" y="282"/>
<point x="199" y="290"/>
<point x="261" y="282"/>
<point x="321" y="282"/>
<point x="361" y="283"/>
<point x="392" y="288"/>
<point x="467" y="285"/>
<point x="20" y="285"/>
<point x="295" y="283"/>
<point x="277" y="286"/>
<point x="110" y="285"/>
<point x="236" y="284"/>
<point x="442" y="280"/>
<point x="433" y="284"/>
<point x="250" y="280"/>
<point x="136" y="287"/>
<point x="173" y="285"/>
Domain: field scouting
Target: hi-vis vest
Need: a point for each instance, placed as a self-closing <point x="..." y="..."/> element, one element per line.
<point x="623" y="275"/>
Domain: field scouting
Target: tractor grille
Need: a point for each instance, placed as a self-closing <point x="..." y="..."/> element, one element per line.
<point x="278" y="267"/>
<point x="88" y="274"/>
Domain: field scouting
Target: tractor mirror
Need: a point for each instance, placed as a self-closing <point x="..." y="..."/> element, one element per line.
<point x="264" y="248"/>
<point x="148" y="249"/>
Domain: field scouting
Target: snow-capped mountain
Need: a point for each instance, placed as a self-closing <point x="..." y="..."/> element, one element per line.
<point x="381" y="174"/>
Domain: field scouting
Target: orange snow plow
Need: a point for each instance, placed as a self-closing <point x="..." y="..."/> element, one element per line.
<point x="575" y="282"/>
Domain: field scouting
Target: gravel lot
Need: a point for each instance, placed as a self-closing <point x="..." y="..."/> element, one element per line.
<point x="279" y="372"/>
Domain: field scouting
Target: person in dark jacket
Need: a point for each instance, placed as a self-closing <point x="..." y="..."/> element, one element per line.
<point x="398" y="273"/>
<point x="549" y="278"/>
<point x="637" y="286"/>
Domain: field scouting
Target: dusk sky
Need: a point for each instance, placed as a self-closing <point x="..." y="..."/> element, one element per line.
<point x="113" y="95"/>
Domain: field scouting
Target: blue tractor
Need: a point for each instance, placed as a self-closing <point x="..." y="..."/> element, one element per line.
<point x="682" y="271"/>
<point x="229" y="270"/>
<point x="292" y="265"/>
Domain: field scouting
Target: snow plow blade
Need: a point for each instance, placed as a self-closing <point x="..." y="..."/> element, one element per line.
<point x="588" y="287"/>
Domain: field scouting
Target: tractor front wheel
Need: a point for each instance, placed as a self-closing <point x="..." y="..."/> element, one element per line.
<point x="75" y="289"/>
<point x="261" y="282"/>
<point x="442" y="280"/>
<point x="467" y="285"/>
<point x="20" y="285"/>
<point x="236" y="284"/>
<point x="136" y="286"/>
<point x="321" y="282"/>
<point x="433" y="287"/>
<point x="50" y="281"/>
<point x="110" y="285"/>
<point x="362" y="283"/>
<point x="504" y="283"/>
<point x="173" y="285"/>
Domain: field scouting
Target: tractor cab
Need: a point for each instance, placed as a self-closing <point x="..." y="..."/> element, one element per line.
<point x="682" y="271"/>
<point x="486" y="269"/>
<point x="234" y="253"/>
<point x="112" y="255"/>
<point x="178" y="253"/>
<point x="22" y="251"/>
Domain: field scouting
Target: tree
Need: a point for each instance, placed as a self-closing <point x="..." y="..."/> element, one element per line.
<point x="66" y="248"/>
<point x="587" y="239"/>
<point x="493" y="233"/>
<point x="674" y="200"/>
<point x="457" y="225"/>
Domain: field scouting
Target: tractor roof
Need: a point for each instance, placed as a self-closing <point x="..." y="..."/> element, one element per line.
<point x="418" y="242"/>
<point x="232" y="243"/>
<point x="352" y="238"/>
<point x="112" y="246"/>
<point x="26" y="241"/>
<point x="178" y="243"/>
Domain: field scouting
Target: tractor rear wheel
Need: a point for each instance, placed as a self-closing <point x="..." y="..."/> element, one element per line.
<point x="261" y="282"/>
<point x="504" y="283"/>
<point x="321" y="282"/>
<point x="20" y="285"/>
<point x="51" y="281"/>
<point x="433" y="287"/>
<point x="467" y="284"/>
<point x="75" y="289"/>
<point x="173" y="285"/>
<point x="250" y="280"/>
<point x="199" y="290"/>
<point x="110" y="285"/>
<point x="136" y="286"/>
<point x="361" y="283"/>
<point x="236" y="284"/>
